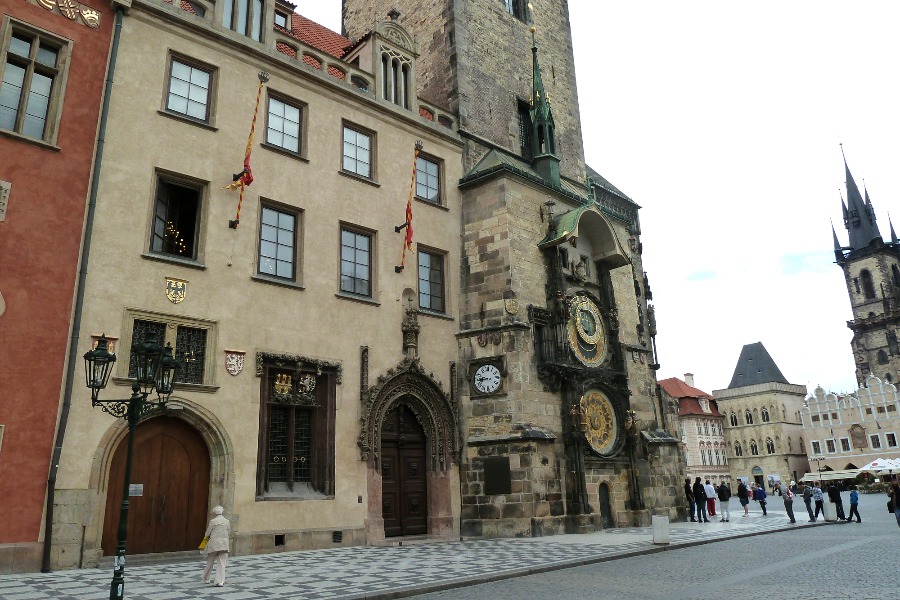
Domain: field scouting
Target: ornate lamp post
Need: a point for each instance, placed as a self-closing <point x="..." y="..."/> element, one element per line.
<point x="154" y="368"/>
<point x="631" y="430"/>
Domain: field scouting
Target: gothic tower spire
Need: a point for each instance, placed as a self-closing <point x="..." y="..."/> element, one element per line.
<point x="859" y="215"/>
<point x="543" y="128"/>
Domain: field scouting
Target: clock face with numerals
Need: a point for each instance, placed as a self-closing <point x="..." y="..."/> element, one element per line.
<point x="603" y="426"/>
<point x="486" y="379"/>
<point x="587" y="336"/>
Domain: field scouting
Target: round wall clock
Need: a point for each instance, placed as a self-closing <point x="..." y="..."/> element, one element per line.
<point x="486" y="379"/>
<point x="603" y="430"/>
<point x="587" y="336"/>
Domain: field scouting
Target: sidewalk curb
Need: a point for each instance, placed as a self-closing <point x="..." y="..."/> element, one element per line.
<point x="557" y="566"/>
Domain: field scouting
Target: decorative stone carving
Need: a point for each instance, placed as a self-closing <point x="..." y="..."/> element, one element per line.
<point x="234" y="361"/>
<point x="298" y="363"/>
<point x="411" y="329"/>
<point x="434" y="409"/>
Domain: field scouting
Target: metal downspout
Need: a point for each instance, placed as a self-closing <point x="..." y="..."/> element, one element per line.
<point x="79" y="296"/>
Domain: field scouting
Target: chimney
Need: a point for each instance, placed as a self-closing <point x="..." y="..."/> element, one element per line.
<point x="689" y="379"/>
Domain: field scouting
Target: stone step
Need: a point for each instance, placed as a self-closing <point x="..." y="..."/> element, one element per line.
<point x="415" y="540"/>
<point x="159" y="558"/>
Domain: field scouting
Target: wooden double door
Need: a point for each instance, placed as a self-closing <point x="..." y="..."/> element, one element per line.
<point x="403" y="482"/>
<point x="171" y="464"/>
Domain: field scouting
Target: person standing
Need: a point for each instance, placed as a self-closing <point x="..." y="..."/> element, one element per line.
<point x="700" y="500"/>
<point x="819" y="499"/>
<point x="744" y="497"/>
<point x="724" y="496"/>
<point x="710" y="498"/>
<point x="217" y="534"/>
<point x="807" y="493"/>
<point x="834" y="496"/>
<point x="854" y="505"/>
<point x="689" y="495"/>
<point x="788" y="496"/>
<point x="759" y="494"/>
<point x="895" y="494"/>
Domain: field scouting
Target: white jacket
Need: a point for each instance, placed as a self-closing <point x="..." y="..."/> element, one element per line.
<point x="218" y="532"/>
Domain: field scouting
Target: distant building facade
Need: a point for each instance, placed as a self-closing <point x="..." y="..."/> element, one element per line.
<point x="847" y="432"/>
<point x="762" y="420"/>
<point x="701" y="426"/>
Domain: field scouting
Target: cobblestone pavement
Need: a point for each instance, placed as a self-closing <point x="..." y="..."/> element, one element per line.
<point x="384" y="572"/>
<point x="842" y="561"/>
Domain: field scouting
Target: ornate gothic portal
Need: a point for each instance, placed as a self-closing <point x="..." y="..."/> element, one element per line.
<point x="409" y="436"/>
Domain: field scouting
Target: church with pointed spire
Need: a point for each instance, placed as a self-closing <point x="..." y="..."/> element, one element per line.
<point x="871" y="269"/>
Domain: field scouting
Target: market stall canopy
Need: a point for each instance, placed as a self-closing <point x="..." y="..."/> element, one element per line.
<point x="880" y="464"/>
<point x="831" y="475"/>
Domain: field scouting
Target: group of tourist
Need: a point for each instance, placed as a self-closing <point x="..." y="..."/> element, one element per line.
<point x="701" y="498"/>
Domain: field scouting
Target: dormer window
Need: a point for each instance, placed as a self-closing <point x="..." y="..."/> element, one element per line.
<point x="395" y="77"/>
<point x="281" y="19"/>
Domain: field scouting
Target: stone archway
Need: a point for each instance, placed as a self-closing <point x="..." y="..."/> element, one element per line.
<point x="209" y="428"/>
<point x="437" y="415"/>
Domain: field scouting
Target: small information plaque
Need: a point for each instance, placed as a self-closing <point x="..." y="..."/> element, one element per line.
<point x="5" y="187"/>
<point x="136" y="489"/>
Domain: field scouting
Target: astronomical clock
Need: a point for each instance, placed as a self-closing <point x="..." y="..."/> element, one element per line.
<point x="586" y="333"/>
<point x="603" y="430"/>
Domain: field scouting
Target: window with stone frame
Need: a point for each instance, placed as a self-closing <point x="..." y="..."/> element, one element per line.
<point x="738" y="450"/>
<point x="816" y="448"/>
<point x="358" y="151"/>
<point x="428" y="179"/>
<point x="176" y="218"/>
<point x="770" y="446"/>
<point x="296" y="424"/>
<point x="702" y="455"/>
<point x="278" y="243"/>
<point x="754" y="449"/>
<point x="284" y="124"/>
<point x="282" y="19"/>
<point x="524" y="115"/>
<point x="33" y="67"/>
<point x="748" y="417"/>
<point x="356" y="262"/>
<point x="890" y="440"/>
<point x="517" y="8"/>
<point x="244" y="17"/>
<point x="191" y="339"/>
<point x="734" y="420"/>
<point x="431" y="281"/>
<point x="190" y="89"/>
<point x="765" y="415"/>
<point x="875" y="441"/>
<point x="868" y="285"/>
<point x="845" y="444"/>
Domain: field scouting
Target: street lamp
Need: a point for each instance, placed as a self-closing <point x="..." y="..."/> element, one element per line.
<point x="818" y="460"/>
<point x="154" y="368"/>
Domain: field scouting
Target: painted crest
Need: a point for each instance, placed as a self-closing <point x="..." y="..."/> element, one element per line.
<point x="176" y="289"/>
<point x="234" y="362"/>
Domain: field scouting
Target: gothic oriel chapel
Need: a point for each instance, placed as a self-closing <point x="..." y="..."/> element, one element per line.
<point x="347" y="380"/>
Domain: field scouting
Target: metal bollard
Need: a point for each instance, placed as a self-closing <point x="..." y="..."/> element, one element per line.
<point x="660" y="529"/>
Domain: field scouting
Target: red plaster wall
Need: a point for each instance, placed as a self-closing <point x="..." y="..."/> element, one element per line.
<point x="39" y="247"/>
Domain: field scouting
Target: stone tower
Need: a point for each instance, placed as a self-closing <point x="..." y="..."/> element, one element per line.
<point x="872" y="274"/>
<point x="562" y="423"/>
<point x="473" y="60"/>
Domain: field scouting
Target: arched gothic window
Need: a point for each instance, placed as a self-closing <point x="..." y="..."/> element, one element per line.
<point x="754" y="449"/>
<point x="702" y="454"/>
<point x="802" y="447"/>
<point x="733" y="420"/>
<point x="765" y="415"/>
<point x="770" y="446"/>
<point x="738" y="451"/>
<point x="882" y="357"/>
<point x="868" y="285"/>
<point x="748" y="416"/>
<point x="706" y="428"/>
<point x="709" y="456"/>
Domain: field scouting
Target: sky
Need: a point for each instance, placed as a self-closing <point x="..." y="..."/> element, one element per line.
<point x="724" y="121"/>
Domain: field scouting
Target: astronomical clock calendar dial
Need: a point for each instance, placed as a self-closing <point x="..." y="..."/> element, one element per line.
<point x="486" y="379"/>
<point x="603" y="425"/>
<point x="587" y="336"/>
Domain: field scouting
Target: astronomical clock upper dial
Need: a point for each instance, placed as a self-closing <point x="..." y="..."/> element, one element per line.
<point x="603" y="426"/>
<point x="486" y="379"/>
<point x="587" y="336"/>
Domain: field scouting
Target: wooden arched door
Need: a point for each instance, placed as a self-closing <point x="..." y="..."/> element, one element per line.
<point x="404" y="503"/>
<point x="171" y="463"/>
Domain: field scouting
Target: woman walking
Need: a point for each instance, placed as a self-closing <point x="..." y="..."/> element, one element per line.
<point x="217" y="535"/>
<point x="743" y="497"/>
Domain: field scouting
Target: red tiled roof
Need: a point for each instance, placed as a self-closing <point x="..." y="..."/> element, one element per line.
<point x="285" y="49"/>
<point x="691" y="406"/>
<point x="679" y="389"/>
<point x="319" y="36"/>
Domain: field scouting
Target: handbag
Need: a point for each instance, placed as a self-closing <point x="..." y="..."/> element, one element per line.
<point x="890" y="506"/>
<point x="202" y="545"/>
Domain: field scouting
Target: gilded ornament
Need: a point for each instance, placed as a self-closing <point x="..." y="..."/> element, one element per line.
<point x="234" y="362"/>
<point x="69" y="8"/>
<point x="602" y="432"/>
<point x="512" y="305"/>
<point x="90" y="17"/>
<point x="176" y="290"/>
<point x="48" y="4"/>
<point x="586" y="332"/>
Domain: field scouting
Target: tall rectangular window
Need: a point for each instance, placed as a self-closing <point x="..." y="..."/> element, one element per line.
<point x="356" y="263"/>
<point x="244" y="17"/>
<point x="283" y="125"/>
<point x="189" y="90"/>
<point x="829" y="446"/>
<point x="428" y="185"/>
<point x="431" y="281"/>
<point x="816" y="448"/>
<point x="875" y="441"/>
<point x="845" y="444"/>
<point x="517" y="8"/>
<point x="525" y="130"/>
<point x="277" y="243"/>
<point x="891" y="440"/>
<point x="357" y="152"/>
<point x="32" y="69"/>
<point x="176" y="220"/>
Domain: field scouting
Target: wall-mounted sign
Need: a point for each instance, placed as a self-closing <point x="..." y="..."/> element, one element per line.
<point x="136" y="489"/>
<point x="5" y="187"/>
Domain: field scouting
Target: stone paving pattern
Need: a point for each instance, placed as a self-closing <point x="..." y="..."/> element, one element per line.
<point x="373" y="572"/>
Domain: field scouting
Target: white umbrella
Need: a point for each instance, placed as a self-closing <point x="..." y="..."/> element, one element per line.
<point x="879" y="464"/>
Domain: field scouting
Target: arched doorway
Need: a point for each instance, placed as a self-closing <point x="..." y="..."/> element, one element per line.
<point x="171" y="463"/>
<point x="404" y="503"/>
<point x="757" y="473"/>
<point x="605" y="506"/>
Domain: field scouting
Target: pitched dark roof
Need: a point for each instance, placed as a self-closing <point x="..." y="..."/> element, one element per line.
<point x="859" y="215"/>
<point x="604" y="183"/>
<point x="755" y="366"/>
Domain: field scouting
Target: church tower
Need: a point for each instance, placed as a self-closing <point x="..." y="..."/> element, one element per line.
<point x="563" y="427"/>
<point x="470" y="63"/>
<point x="872" y="274"/>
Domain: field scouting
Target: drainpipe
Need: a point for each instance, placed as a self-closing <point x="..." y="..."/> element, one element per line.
<point x="79" y="296"/>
